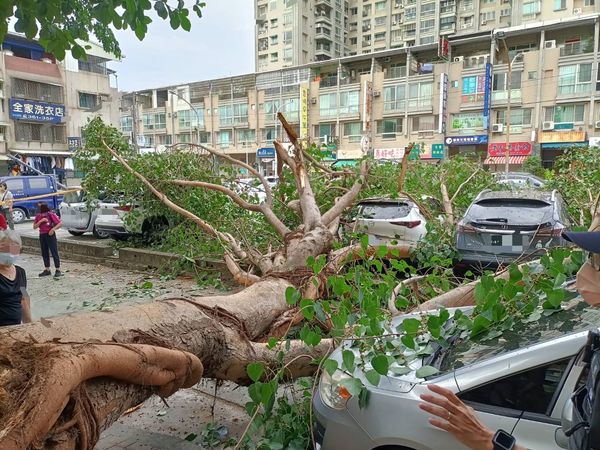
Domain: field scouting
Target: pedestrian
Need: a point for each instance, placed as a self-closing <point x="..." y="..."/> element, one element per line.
<point x="460" y="420"/>
<point x="15" y="171"/>
<point x="15" y="307"/>
<point x="6" y="199"/>
<point x="48" y="222"/>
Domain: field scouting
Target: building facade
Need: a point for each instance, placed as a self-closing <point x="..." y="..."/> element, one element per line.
<point x="46" y="103"/>
<point x="294" y="32"/>
<point x="382" y="101"/>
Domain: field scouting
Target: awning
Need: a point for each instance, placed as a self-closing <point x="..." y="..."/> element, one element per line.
<point x="564" y="144"/>
<point x="495" y="160"/>
<point x="41" y="152"/>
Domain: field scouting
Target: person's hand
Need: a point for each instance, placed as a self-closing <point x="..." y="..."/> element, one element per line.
<point x="51" y="233"/>
<point x="458" y="419"/>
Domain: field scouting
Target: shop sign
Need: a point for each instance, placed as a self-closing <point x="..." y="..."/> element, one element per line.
<point x="514" y="149"/>
<point x="467" y="140"/>
<point x="74" y="143"/>
<point x="388" y="153"/>
<point x="303" y="112"/>
<point x="36" y="111"/>
<point x="437" y="151"/>
<point x="265" y="152"/>
<point x="562" y="136"/>
<point x="467" y="121"/>
<point x="487" y="96"/>
<point x="443" y="103"/>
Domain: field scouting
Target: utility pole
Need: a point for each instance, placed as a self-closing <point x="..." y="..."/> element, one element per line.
<point x="134" y="117"/>
<point x="508" y="97"/>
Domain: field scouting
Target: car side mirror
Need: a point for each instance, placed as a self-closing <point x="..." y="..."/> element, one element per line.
<point x="566" y="422"/>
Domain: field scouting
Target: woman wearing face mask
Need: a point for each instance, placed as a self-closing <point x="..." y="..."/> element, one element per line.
<point x="14" y="300"/>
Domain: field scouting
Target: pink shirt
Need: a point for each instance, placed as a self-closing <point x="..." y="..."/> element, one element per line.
<point x="53" y="220"/>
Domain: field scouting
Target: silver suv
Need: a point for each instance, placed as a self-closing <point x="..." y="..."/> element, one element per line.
<point x="519" y="382"/>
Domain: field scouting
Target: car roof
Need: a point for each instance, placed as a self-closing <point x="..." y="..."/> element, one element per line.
<point x="524" y="194"/>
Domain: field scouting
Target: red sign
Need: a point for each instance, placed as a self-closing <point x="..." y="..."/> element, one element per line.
<point x="515" y="149"/>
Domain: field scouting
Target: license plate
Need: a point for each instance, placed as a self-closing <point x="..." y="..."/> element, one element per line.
<point x="108" y="212"/>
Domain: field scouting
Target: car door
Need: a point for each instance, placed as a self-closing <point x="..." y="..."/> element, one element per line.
<point x="16" y="185"/>
<point x="74" y="211"/>
<point x="523" y="403"/>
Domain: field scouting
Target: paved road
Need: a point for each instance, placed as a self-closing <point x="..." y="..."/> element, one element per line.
<point x="26" y="228"/>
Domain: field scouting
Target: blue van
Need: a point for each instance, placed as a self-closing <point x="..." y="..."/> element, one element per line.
<point x="25" y="186"/>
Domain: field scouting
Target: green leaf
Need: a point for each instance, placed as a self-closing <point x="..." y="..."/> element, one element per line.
<point x="373" y="377"/>
<point x="255" y="371"/>
<point x="190" y="437"/>
<point x="255" y="392"/>
<point x="381" y="364"/>
<point x="400" y="370"/>
<point x="354" y="385"/>
<point x="382" y="252"/>
<point x="159" y="6"/>
<point x="175" y="20"/>
<point x="348" y="360"/>
<point x="411" y="326"/>
<point x="292" y="295"/>
<point x="330" y="366"/>
<point x="426" y="371"/>
<point x="147" y="285"/>
<point x="272" y="342"/>
<point x="408" y="341"/>
<point x="363" y="398"/>
<point x="307" y="308"/>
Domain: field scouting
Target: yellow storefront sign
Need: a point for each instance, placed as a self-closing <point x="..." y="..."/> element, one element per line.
<point x="562" y="136"/>
<point x="303" y="112"/>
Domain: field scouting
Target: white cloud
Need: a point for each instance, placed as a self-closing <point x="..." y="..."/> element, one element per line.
<point x="219" y="44"/>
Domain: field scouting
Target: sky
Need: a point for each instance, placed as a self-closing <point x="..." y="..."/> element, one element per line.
<point x="220" y="44"/>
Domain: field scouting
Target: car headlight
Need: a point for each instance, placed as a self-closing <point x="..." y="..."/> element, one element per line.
<point x="332" y="392"/>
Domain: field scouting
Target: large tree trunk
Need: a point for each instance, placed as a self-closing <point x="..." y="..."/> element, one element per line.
<point x="152" y="348"/>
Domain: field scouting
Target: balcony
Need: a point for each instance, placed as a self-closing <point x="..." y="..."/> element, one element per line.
<point x="576" y="48"/>
<point x="323" y="50"/>
<point x="322" y="33"/>
<point x="322" y="17"/>
<point x="329" y="81"/>
<point x="323" y="3"/>
<point x="574" y="90"/>
<point x="395" y="72"/>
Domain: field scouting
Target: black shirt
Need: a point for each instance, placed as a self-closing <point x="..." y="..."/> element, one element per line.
<point x="11" y="296"/>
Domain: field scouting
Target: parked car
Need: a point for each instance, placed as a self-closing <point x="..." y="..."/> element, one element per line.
<point x="519" y="383"/>
<point x="519" y="180"/>
<point x="385" y="220"/>
<point x="120" y="223"/>
<point x="79" y="216"/>
<point x="25" y="186"/>
<point x="501" y="226"/>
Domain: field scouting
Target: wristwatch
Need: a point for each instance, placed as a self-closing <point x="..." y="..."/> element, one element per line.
<point x="503" y="440"/>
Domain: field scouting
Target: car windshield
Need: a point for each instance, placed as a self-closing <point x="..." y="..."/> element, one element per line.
<point x="74" y="197"/>
<point x="384" y="210"/>
<point x="467" y="351"/>
<point x="511" y="211"/>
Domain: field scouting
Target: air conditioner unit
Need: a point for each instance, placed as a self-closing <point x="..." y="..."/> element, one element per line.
<point x="577" y="11"/>
<point x="548" y="125"/>
<point x="313" y="101"/>
<point x="497" y="128"/>
<point x="376" y="93"/>
<point x="458" y="59"/>
<point x="466" y="25"/>
<point x="483" y="22"/>
<point x="550" y="44"/>
<point x="597" y="124"/>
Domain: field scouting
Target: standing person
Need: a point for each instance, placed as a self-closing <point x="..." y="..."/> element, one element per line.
<point x="6" y="197"/>
<point x="48" y="222"/>
<point x="14" y="300"/>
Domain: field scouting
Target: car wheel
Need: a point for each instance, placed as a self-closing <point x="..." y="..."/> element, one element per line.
<point x="100" y="234"/>
<point x="18" y="215"/>
<point x="119" y="237"/>
<point x="153" y="229"/>
<point x="75" y="233"/>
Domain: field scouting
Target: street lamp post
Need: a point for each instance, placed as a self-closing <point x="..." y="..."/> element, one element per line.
<point x="195" y="112"/>
<point x="508" y="92"/>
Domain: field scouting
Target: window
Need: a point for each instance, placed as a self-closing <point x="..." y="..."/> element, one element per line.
<point x="325" y="129"/>
<point x="328" y="105"/>
<point x="428" y="8"/>
<point x="188" y="118"/>
<point x="380" y="6"/>
<point x="530" y="391"/>
<point x="246" y="137"/>
<point x="565" y="113"/>
<point x="14" y="184"/>
<point x="380" y="21"/>
<point x="518" y="117"/>
<point x="349" y="101"/>
<point x="274" y="57"/>
<point x="575" y="79"/>
<point x="487" y="16"/>
<point x="184" y="138"/>
<point x="393" y="97"/>
<point x="288" y="19"/>
<point x="288" y="37"/>
<point x="87" y="101"/>
<point x="410" y="14"/>
<point x="155" y="121"/>
<point x="420" y="94"/>
<point x="38" y="183"/>
<point x="268" y="134"/>
<point x="38" y="132"/>
<point x="427" y="25"/>
<point x="233" y="114"/>
<point x="32" y="90"/>
<point x="473" y="89"/>
<point x="588" y="3"/>
<point x="126" y="124"/>
<point x="560" y="4"/>
<point x="274" y="39"/>
<point x="500" y="79"/>
<point x="427" y="40"/>
<point x="389" y="127"/>
<point x="224" y="139"/>
<point x="352" y="131"/>
<point x="380" y="36"/>
<point x="424" y="123"/>
<point x="531" y="8"/>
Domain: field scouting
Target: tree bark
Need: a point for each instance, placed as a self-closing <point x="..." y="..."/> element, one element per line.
<point x="214" y="337"/>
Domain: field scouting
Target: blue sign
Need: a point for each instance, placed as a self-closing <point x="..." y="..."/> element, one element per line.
<point x="487" y="96"/>
<point x="265" y="152"/>
<point x="466" y="140"/>
<point x="74" y="143"/>
<point x="36" y="111"/>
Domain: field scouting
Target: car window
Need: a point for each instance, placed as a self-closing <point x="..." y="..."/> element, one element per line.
<point x="530" y="391"/>
<point x="385" y="210"/>
<point x="511" y="211"/>
<point x="38" y="183"/>
<point x="15" y="184"/>
<point x="74" y="197"/>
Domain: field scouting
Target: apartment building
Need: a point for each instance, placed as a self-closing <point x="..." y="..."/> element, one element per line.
<point x="380" y="102"/>
<point x="45" y="103"/>
<point x="294" y="32"/>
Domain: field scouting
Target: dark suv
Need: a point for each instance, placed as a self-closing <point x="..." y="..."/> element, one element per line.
<point x="502" y="226"/>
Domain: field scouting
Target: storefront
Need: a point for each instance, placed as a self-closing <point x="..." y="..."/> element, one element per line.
<point x="266" y="161"/>
<point x="476" y="144"/>
<point x="556" y="143"/>
<point x="518" y="152"/>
